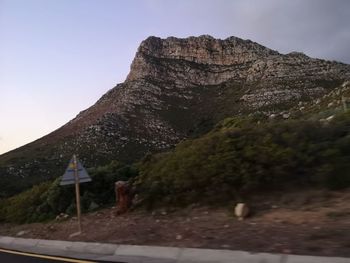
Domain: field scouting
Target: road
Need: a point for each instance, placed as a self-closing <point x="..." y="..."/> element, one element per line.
<point x="10" y="256"/>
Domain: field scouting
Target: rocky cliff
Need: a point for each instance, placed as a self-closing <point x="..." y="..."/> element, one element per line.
<point x="178" y="88"/>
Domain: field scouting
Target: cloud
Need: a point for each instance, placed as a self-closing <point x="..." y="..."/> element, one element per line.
<point x="319" y="28"/>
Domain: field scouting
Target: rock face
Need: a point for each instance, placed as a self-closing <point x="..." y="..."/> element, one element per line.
<point x="201" y="60"/>
<point x="175" y="88"/>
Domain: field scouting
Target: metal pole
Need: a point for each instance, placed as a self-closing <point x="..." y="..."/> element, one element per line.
<point x="77" y="191"/>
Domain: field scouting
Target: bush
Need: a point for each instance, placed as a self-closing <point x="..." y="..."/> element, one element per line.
<point x="239" y="157"/>
<point x="49" y="199"/>
<point x="22" y="208"/>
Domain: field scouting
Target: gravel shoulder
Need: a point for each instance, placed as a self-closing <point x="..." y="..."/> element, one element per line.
<point x="307" y="223"/>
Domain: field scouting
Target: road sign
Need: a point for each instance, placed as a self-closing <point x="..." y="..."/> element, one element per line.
<point x="346" y="103"/>
<point x="69" y="175"/>
<point x="76" y="174"/>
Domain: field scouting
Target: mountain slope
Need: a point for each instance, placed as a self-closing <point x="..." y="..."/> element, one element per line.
<point x="176" y="88"/>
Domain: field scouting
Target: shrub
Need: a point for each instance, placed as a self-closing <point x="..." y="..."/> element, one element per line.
<point x="21" y="208"/>
<point x="241" y="156"/>
<point x="46" y="200"/>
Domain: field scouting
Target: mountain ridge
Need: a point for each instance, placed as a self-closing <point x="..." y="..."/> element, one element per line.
<point x="176" y="88"/>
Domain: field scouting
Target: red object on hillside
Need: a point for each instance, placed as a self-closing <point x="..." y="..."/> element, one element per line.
<point x="123" y="196"/>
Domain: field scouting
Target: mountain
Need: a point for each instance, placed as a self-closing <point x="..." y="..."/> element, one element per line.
<point x="178" y="88"/>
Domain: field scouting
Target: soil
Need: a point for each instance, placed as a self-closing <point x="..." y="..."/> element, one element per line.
<point x="307" y="222"/>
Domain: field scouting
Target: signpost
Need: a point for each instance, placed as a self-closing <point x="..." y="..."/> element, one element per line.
<point x="346" y="103"/>
<point x="76" y="174"/>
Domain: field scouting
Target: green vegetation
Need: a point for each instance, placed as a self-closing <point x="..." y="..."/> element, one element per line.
<point x="21" y="208"/>
<point x="49" y="199"/>
<point x="337" y="214"/>
<point x="241" y="156"/>
<point x="238" y="157"/>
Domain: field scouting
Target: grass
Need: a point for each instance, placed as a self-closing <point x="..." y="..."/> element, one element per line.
<point x="338" y="214"/>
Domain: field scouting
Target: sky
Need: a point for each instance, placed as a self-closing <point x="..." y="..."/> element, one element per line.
<point x="58" y="57"/>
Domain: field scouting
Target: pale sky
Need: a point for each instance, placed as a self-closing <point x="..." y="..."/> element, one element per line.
<point x="58" y="57"/>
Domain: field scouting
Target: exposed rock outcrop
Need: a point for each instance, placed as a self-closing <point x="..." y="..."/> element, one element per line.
<point x="175" y="88"/>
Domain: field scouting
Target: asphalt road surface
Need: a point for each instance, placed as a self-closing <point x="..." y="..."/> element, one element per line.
<point x="10" y="256"/>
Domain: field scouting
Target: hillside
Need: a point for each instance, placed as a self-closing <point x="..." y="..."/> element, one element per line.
<point x="240" y="158"/>
<point x="180" y="88"/>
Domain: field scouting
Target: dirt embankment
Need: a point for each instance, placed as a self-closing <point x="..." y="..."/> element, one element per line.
<point x="308" y="222"/>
